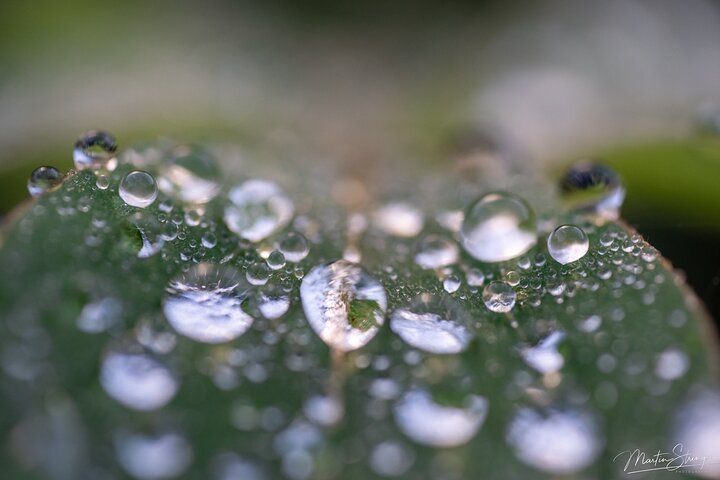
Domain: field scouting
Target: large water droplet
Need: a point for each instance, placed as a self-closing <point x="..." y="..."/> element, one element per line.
<point x="137" y="380"/>
<point x="190" y="175"/>
<point x="399" y="219"/>
<point x="343" y="303"/>
<point x="594" y="187"/>
<point x="429" y="423"/>
<point x="567" y="243"/>
<point x="153" y="456"/>
<point x="205" y="304"/>
<point x="138" y="189"/>
<point x="436" y="324"/>
<point x="43" y="179"/>
<point x="499" y="297"/>
<point x="435" y="251"/>
<point x="497" y="227"/>
<point x="257" y="209"/>
<point x="95" y="150"/>
<point x="558" y="442"/>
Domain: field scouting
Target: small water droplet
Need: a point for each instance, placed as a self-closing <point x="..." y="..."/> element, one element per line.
<point x="294" y="246"/>
<point x="435" y="251"/>
<point x="475" y="277"/>
<point x="567" y="244"/>
<point x="137" y="380"/>
<point x="273" y="303"/>
<point x="451" y="283"/>
<point x="102" y="182"/>
<point x="429" y="423"/>
<point x="324" y="410"/>
<point x="138" y="189"/>
<point x="154" y="456"/>
<point x="391" y="459"/>
<point x="544" y="357"/>
<point x="257" y="209"/>
<point x="499" y="297"/>
<point x="594" y="187"/>
<point x="558" y="442"/>
<point x="671" y="364"/>
<point x="343" y="304"/>
<point x="497" y="227"/>
<point x="276" y="260"/>
<point x="99" y="315"/>
<point x="43" y="179"/>
<point x="205" y="304"/>
<point x="258" y="273"/>
<point x="399" y="219"/>
<point x="190" y="175"/>
<point x="436" y="324"/>
<point x="95" y="150"/>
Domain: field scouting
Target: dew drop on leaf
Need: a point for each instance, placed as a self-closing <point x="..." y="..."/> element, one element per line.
<point x="499" y="297"/>
<point x="593" y="187"/>
<point x="95" y="150"/>
<point x="343" y="304"/>
<point x="138" y="189"/>
<point x="498" y="226"/>
<point x="205" y="304"/>
<point x="43" y="179"/>
<point x="435" y="251"/>
<point x="190" y="175"/>
<point x="567" y="244"/>
<point x="257" y="209"/>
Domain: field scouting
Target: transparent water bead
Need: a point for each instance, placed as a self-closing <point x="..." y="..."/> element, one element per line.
<point x="273" y="303"/>
<point x="429" y="423"/>
<point x="556" y="441"/>
<point x="257" y="209"/>
<point x="294" y="246"/>
<point x="497" y="227"/>
<point x="499" y="297"/>
<point x="343" y="304"/>
<point x="545" y="357"/>
<point x="138" y="189"/>
<point x="567" y="244"/>
<point x="95" y="150"/>
<point x="591" y="186"/>
<point x="436" y="324"/>
<point x="153" y="456"/>
<point x="399" y="219"/>
<point x="190" y="175"/>
<point x="435" y="251"/>
<point x="205" y="304"/>
<point x="43" y="179"/>
<point x="137" y="380"/>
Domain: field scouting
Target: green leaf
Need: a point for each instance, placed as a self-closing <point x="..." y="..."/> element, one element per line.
<point x="632" y="344"/>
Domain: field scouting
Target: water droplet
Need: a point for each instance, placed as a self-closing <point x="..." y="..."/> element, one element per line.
<point x="475" y="277"/>
<point x="138" y="189"/>
<point x="544" y="357"/>
<point x="451" y="283"/>
<point x="95" y="150"/>
<point x="102" y="182"/>
<point x="205" y="304"/>
<point x="567" y="244"/>
<point x="276" y="260"/>
<point x="153" y="456"/>
<point x="594" y="187"/>
<point x="429" y="423"/>
<point x="294" y="247"/>
<point x="273" y="303"/>
<point x="257" y="209"/>
<point x="324" y="410"/>
<point x="436" y="324"/>
<point x="558" y="442"/>
<point x="391" y="459"/>
<point x="435" y="251"/>
<point x="399" y="219"/>
<point x="697" y="429"/>
<point x="672" y="364"/>
<point x="190" y="175"/>
<point x="343" y="303"/>
<point x="137" y="380"/>
<point x="499" y="297"/>
<point x="497" y="227"/>
<point x="43" y="179"/>
<point x="99" y="315"/>
<point x="258" y="273"/>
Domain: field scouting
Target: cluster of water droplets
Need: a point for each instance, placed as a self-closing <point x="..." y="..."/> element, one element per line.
<point x="243" y="279"/>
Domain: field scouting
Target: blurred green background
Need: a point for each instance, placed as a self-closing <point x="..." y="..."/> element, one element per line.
<point x="361" y="83"/>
